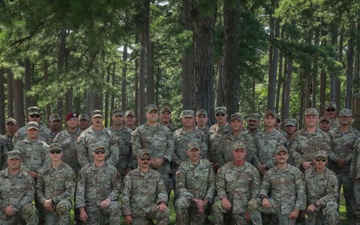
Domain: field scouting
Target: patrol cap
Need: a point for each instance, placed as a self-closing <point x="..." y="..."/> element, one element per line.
<point x="290" y="122"/>
<point x="238" y="145"/>
<point x="311" y="111"/>
<point x="32" y="125"/>
<point x="151" y="107"/>
<point x="270" y="112"/>
<point x="129" y="113"/>
<point x="253" y="116"/>
<point x="201" y="112"/>
<point x="83" y="116"/>
<point x="345" y="112"/>
<point x="192" y="144"/>
<point x="10" y="120"/>
<point x="55" y="146"/>
<point x="281" y="148"/>
<point x="165" y="109"/>
<point x="34" y="110"/>
<point x="221" y="109"/>
<point x="236" y="116"/>
<point x="98" y="145"/>
<point x="54" y="117"/>
<point x="116" y="112"/>
<point x="14" y="154"/>
<point x="96" y="112"/>
<point x="187" y="113"/>
<point x="70" y="115"/>
<point x="324" y="118"/>
<point x="321" y="154"/>
<point x="144" y="152"/>
<point x="330" y="105"/>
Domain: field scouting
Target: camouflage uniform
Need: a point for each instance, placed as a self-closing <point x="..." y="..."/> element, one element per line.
<point x="68" y="141"/>
<point x="239" y="185"/>
<point x="89" y="137"/>
<point x="216" y="134"/>
<point x="44" y="135"/>
<point x="324" y="188"/>
<point x="355" y="175"/>
<point x="142" y="193"/>
<point x="59" y="186"/>
<point x="95" y="184"/>
<point x="159" y="141"/>
<point x="193" y="181"/>
<point x="6" y="145"/>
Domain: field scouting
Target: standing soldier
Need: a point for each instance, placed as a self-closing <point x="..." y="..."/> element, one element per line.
<point x="17" y="192"/>
<point x="130" y="120"/>
<point x="159" y="141"/>
<point x="216" y="134"/>
<point x="127" y="160"/>
<point x="55" y="188"/>
<point x="355" y="175"/>
<point x="144" y="196"/>
<point x="330" y="112"/>
<point x="202" y="121"/>
<point x="6" y="143"/>
<point x="253" y="122"/>
<point x="322" y="192"/>
<point x="278" y="125"/>
<point x="285" y="185"/>
<point x="98" y="190"/>
<point x="83" y="121"/>
<point x="54" y="125"/>
<point x="97" y="133"/>
<point x="290" y="128"/>
<point x="195" y="184"/>
<point x="165" y="118"/>
<point x="34" y="115"/>
<point x="237" y="186"/>
<point x="343" y="139"/>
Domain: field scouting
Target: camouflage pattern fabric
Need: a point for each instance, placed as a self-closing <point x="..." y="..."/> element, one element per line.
<point x="44" y="135"/>
<point x="216" y="134"/>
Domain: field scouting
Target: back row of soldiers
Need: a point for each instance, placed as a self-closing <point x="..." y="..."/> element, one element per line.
<point x="166" y="151"/>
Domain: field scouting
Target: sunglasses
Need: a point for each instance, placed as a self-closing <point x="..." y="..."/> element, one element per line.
<point x="35" y="116"/>
<point x="100" y="152"/>
<point x="322" y="160"/>
<point x="278" y="121"/>
<point x="330" y="110"/>
<point x="143" y="159"/>
<point x="220" y="114"/>
<point x="55" y="152"/>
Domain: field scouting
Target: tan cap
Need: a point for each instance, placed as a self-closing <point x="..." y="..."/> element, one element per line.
<point x="150" y="108"/>
<point x="11" y="120"/>
<point x="270" y="112"/>
<point x="14" y="154"/>
<point x="221" y="109"/>
<point x="311" y="111"/>
<point x="238" y="145"/>
<point x="96" y="112"/>
<point x="54" y="117"/>
<point x="34" y="110"/>
<point x="32" y="125"/>
<point x="83" y="116"/>
<point x="116" y="112"/>
<point x="330" y="105"/>
<point x="144" y="152"/>
<point x="280" y="148"/>
<point x="165" y="109"/>
<point x="201" y="112"/>
<point x="192" y="145"/>
<point x="236" y="116"/>
<point x="345" y="112"/>
<point x="98" y="145"/>
<point x="129" y="113"/>
<point x="322" y="154"/>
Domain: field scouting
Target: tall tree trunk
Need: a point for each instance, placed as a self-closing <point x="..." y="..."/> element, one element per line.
<point x="350" y="64"/>
<point x="219" y="85"/>
<point x="287" y="88"/>
<point x="333" y="79"/>
<point x="147" y="44"/>
<point x="27" y="67"/>
<point x="123" y="80"/>
<point x="46" y="78"/>
<point x="10" y="93"/>
<point x="136" y="87"/>
<point x="323" y="87"/>
<point x="107" y="110"/>
<point x="142" y="77"/>
<point x="60" y="67"/>
<point x="113" y="82"/>
<point x="18" y="88"/>
<point x="2" y="101"/>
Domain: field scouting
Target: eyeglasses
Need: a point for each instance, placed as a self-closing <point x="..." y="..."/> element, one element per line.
<point x="55" y="152"/>
<point x="143" y="159"/>
<point x="100" y="152"/>
<point x="322" y="160"/>
<point x="220" y="114"/>
<point x="330" y="110"/>
<point x="35" y="116"/>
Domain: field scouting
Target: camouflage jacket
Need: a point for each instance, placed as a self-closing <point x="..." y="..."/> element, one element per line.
<point x="95" y="184"/>
<point x="216" y="134"/>
<point x="141" y="190"/>
<point x="89" y="137"/>
<point x="196" y="181"/>
<point x="355" y="162"/>
<point x="56" y="184"/>
<point x="44" y="135"/>
<point x="286" y="187"/>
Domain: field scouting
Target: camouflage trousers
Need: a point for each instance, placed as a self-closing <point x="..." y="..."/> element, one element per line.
<point x="99" y="216"/>
<point x="141" y="218"/>
<point x="27" y="213"/>
<point x="357" y="198"/>
<point x="236" y="218"/>
<point x="326" y="213"/>
<point x="61" y="215"/>
<point x="187" y="213"/>
<point x="345" y="180"/>
<point x="282" y="218"/>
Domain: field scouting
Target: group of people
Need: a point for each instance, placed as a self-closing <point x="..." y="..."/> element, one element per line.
<point x="237" y="174"/>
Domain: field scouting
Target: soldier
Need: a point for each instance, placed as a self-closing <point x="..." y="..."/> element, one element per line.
<point x="330" y="112"/>
<point x="278" y="124"/>
<point x="308" y="141"/>
<point x="237" y="134"/>
<point x="201" y="121"/>
<point x="55" y="188"/>
<point x="130" y="119"/>
<point x="325" y="124"/>
<point x="54" y="125"/>
<point x="98" y="190"/>
<point x="183" y="136"/>
<point x="165" y="118"/>
<point x="237" y="186"/>
<point x="290" y="128"/>
<point x="97" y="133"/>
<point x="322" y="192"/>
<point x="34" y="115"/>
<point x="6" y="139"/>
<point x="285" y="184"/>
<point x="17" y="192"/>
<point x="216" y="134"/>
<point x="127" y="160"/>
<point x="266" y="142"/>
<point x="343" y="139"/>
<point x="253" y="122"/>
<point x="159" y="141"/>
<point x="83" y="121"/>
<point x="144" y="196"/>
<point x="195" y="184"/>
<point x="355" y="175"/>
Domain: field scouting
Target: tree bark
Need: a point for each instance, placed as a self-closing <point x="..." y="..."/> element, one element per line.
<point x="18" y="89"/>
<point x="27" y="67"/>
<point x="350" y="65"/>
<point x="10" y="93"/>
<point x="2" y="101"/>
<point x="123" y="80"/>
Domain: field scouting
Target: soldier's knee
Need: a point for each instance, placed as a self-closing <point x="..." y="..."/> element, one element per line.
<point x="181" y="202"/>
<point x="63" y="208"/>
<point x="29" y="210"/>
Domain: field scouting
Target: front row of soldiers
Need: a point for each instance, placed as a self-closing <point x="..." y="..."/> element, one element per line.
<point x="240" y="193"/>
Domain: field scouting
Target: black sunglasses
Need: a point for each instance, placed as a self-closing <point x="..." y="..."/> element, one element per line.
<point x="35" y="116"/>
<point x="55" y="152"/>
<point x="100" y="152"/>
<point x="322" y="160"/>
<point x="331" y="110"/>
<point x="220" y="114"/>
<point x="143" y="159"/>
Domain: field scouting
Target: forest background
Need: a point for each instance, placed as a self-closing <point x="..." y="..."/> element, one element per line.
<point x="251" y="55"/>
